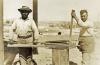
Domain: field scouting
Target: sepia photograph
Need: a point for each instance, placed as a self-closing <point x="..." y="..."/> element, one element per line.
<point x="49" y="32"/>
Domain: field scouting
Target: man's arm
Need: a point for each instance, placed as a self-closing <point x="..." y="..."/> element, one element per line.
<point x="79" y="22"/>
<point x="82" y="24"/>
<point x="35" y="30"/>
<point x="12" y="30"/>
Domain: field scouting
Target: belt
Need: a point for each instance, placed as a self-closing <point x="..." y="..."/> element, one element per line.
<point x="24" y="37"/>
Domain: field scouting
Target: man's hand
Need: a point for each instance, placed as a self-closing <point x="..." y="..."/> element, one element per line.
<point x="35" y="41"/>
<point x="73" y="14"/>
<point x="11" y="41"/>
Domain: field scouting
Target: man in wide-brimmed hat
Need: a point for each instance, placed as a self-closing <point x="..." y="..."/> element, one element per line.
<point x="27" y="33"/>
<point x="24" y="12"/>
<point x="25" y="9"/>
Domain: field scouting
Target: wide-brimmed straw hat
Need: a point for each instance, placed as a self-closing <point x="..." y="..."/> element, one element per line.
<point x="25" y="9"/>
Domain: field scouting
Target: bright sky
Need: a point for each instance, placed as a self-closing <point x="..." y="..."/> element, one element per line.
<point x="51" y="10"/>
<point x="11" y="8"/>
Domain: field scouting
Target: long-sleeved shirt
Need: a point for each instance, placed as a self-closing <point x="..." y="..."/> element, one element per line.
<point x="23" y="28"/>
<point x="86" y="28"/>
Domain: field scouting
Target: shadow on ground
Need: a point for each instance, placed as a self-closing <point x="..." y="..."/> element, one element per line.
<point x="72" y="63"/>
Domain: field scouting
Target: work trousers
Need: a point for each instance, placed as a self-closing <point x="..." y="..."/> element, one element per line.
<point x="25" y="54"/>
<point x="87" y="44"/>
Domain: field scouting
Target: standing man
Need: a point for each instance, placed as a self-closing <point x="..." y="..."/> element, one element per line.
<point x="26" y="32"/>
<point x="86" y="39"/>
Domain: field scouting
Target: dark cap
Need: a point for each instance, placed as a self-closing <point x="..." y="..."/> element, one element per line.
<point x="25" y="9"/>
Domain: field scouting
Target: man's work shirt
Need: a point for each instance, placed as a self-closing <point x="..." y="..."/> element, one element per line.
<point x="86" y="28"/>
<point x="24" y="28"/>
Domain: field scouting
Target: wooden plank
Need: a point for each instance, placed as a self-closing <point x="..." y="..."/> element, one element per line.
<point x="51" y="41"/>
<point x="1" y="34"/>
<point x="46" y="45"/>
<point x="49" y="45"/>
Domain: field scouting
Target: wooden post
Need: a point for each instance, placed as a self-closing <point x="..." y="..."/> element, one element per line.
<point x="60" y="57"/>
<point x="35" y="17"/>
<point x="1" y="34"/>
<point x="35" y="11"/>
